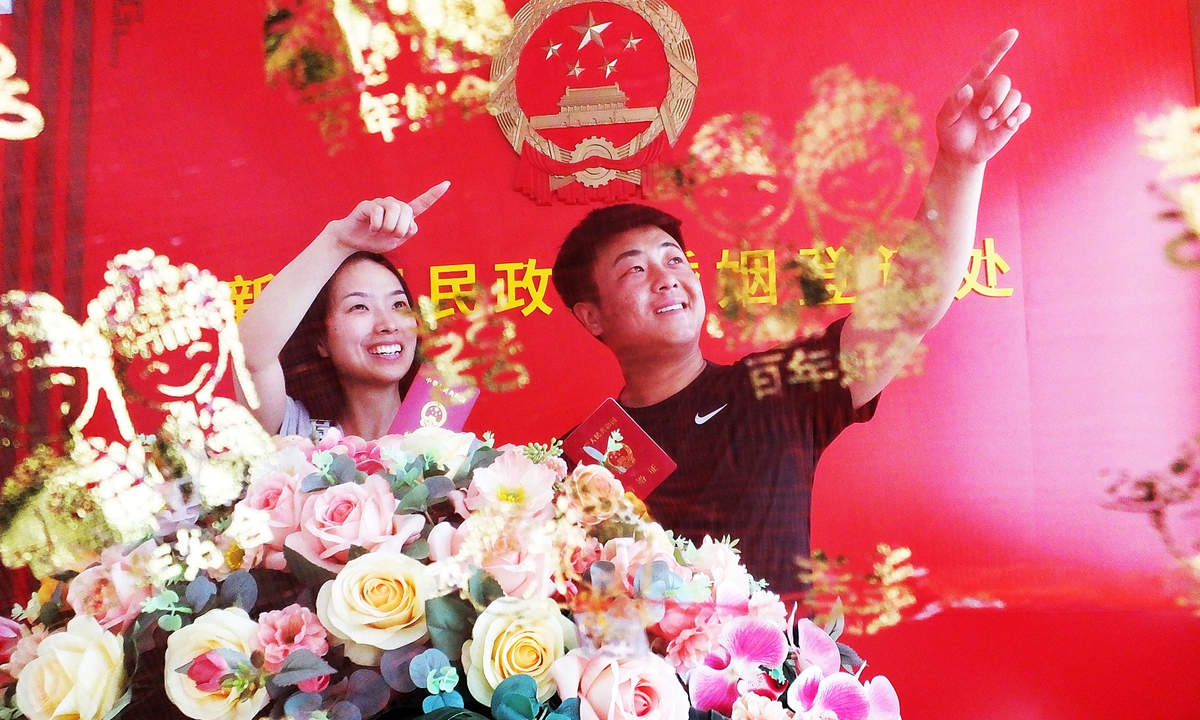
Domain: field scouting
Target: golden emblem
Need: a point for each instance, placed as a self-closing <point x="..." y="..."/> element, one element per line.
<point x="595" y="161"/>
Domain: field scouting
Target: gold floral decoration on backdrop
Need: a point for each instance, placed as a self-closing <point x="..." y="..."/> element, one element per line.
<point x="19" y="120"/>
<point x="158" y="336"/>
<point x="867" y="600"/>
<point x="384" y="66"/>
<point x="1174" y="139"/>
<point x="849" y="164"/>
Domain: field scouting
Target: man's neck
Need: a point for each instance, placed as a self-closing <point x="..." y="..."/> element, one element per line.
<point x="652" y="379"/>
<point x="370" y="410"/>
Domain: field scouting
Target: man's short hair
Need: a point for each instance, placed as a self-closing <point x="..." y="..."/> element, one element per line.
<point x="572" y="274"/>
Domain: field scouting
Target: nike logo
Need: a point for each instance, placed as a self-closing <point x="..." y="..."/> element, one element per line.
<point x="701" y="419"/>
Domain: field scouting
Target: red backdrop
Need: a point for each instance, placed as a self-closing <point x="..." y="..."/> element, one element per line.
<point x="162" y="132"/>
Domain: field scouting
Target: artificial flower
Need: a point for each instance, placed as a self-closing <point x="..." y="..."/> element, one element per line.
<point x="515" y="636"/>
<point x="612" y="687"/>
<point x="228" y="629"/>
<point x="747" y="648"/>
<point x="376" y="603"/>
<point x="79" y="674"/>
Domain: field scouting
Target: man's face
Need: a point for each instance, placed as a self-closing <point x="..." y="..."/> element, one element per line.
<point x="649" y="297"/>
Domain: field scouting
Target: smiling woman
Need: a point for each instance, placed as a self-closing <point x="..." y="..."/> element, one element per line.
<point x="333" y="337"/>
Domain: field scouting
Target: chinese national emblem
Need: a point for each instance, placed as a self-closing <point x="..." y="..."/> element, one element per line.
<point x="590" y="93"/>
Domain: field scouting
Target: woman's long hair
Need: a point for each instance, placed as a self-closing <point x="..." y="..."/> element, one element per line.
<point x="312" y="379"/>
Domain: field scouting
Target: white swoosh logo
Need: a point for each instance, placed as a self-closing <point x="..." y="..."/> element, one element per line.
<point x="701" y="419"/>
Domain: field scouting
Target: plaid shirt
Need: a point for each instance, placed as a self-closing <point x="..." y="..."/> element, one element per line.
<point x="747" y="438"/>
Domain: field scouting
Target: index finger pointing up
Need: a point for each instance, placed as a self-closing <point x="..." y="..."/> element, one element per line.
<point x="990" y="58"/>
<point x="425" y="200"/>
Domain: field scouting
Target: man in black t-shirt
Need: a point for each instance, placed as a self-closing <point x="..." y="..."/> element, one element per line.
<point x="747" y="437"/>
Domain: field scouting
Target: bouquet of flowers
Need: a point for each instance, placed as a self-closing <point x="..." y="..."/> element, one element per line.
<point x="210" y="571"/>
<point x="417" y="562"/>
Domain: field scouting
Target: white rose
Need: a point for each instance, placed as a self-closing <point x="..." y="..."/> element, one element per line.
<point x="514" y="636"/>
<point x="232" y="629"/>
<point x="445" y="447"/>
<point x="376" y="603"/>
<point x="78" y="674"/>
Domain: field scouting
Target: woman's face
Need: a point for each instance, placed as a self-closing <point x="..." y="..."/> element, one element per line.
<point x="371" y="333"/>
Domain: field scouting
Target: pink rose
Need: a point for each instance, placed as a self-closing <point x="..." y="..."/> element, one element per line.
<point x="208" y="670"/>
<point x="364" y="453"/>
<point x="282" y="632"/>
<point x="350" y="514"/>
<point x="621" y="688"/>
<point x="112" y="592"/>
<point x="278" y="493"/>
<point x="520" y="573"/>
<point x="629" y="556"/>
<point x="26" y="650"/>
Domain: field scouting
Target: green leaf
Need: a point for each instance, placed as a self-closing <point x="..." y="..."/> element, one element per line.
<point x="449" y="619"/>
<point x="199" y="592"/>
<point x="306" y="572"/>
<point x="343" y="470"/>
<point x="240" y="589"/>
<point x="301" y="665"/>
<point x="415" y="499"/>
<point x="121" y="703"/>
<point x="314" y="482"/>
<point x="484" y="589"/>
<point x="417" y="549"/>
<point x="850" y="659"/>
<point x="170" y="623"/>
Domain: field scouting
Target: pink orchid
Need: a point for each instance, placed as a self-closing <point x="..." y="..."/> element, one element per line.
<point x="815" y="647"/>
<point x="747" y="646"/>
<point x="839" y="696"/>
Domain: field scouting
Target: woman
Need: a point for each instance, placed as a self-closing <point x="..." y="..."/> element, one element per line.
<point x="333" y="336"/>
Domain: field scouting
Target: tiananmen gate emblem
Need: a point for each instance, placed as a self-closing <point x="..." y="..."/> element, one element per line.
<point x="589" y="93"/>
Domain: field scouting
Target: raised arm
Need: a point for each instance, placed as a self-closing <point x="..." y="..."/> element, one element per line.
<point x="379" y="225"/>
<point x="888" y="322"/>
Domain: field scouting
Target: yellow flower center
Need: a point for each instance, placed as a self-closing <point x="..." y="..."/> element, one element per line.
<point x="511" y="495"/>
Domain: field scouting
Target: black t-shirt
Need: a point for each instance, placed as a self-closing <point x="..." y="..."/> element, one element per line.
<point x="747" y="438"/>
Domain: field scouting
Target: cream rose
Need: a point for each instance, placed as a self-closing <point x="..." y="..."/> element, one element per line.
<point x="514" y="636"/>
<point x="79" y="673"/>
<point x="231" y="629"/>
<point x="376" y="603"/>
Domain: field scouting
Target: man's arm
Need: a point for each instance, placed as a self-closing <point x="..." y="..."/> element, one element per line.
<point x="889" y="320"/>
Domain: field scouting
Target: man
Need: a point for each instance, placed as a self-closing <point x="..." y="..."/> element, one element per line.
<point x="747" y="437"/>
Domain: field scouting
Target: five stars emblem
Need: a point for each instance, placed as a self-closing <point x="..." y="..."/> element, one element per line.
<point x="591" y="31"/>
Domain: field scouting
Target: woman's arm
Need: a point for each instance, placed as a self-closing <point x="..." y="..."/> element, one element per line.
<point x="379" y="225"/>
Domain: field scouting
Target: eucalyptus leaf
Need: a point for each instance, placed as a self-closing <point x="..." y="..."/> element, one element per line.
<point x="313" y="483"/>
<point x="567" y="710"/>
<point x="417" y="549"/>
<point x="240" y="589"/>
<point x="439" y="486"/>
<point x="425" y="663"/>
<point x="170" y="623"/>
<point x="345" y="710"/>
<point x="301" y="705"/>
<point x="602" y="575"/>
<point x="516" y="707"/>
<point x="452" y="713"/>
<point x="394" y="667"/>
<point x="415" y="499"/>
<point x="369" y="692"/>
<point x="343" y="470"/>
<point x="199" y="593"/>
